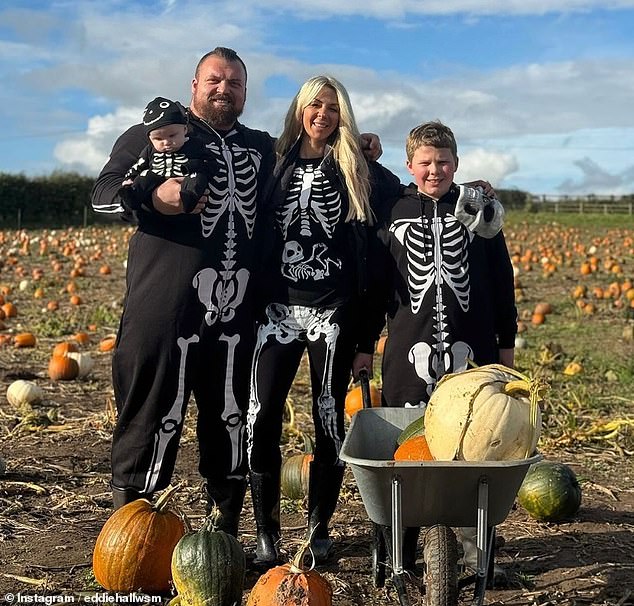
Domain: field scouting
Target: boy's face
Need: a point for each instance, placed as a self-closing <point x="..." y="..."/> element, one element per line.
<point x="433" y="169"/>
<point x="168" y="138"/>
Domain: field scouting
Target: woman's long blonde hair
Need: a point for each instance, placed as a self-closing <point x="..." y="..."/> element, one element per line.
<point x="344" y="142"/>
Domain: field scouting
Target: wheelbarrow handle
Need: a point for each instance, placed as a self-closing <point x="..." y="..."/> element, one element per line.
<point x="364" y="379"/>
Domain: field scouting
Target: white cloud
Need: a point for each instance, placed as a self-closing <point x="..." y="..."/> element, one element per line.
<point x="531" y="118"/>
<point x="487" y="165"/>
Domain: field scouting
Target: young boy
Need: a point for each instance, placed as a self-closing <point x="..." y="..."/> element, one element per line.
<point x="450" y="287"/>
<point x="450" y="294"/>
<point x="170" y="153"/>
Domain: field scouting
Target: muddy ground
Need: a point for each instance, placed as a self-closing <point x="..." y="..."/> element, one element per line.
<point x="54" y="499"/>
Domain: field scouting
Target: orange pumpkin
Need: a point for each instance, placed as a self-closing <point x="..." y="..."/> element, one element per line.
<point x="354" y="399"/>
<point x="24" y="339"/>
<point x="537" y="319"/>
<point x="380" y="345"/>
<point x="62" y="368"/>
<point x="61" y="349"/>
<point x="134" y="549"/>
<point x="107" y="343"/>
<point x="10" y="310"/>
<point x="543" y="308"/>
<point x="291" y="584"/>
<point x="414" y="449"/>
<point x="82" y="338"/>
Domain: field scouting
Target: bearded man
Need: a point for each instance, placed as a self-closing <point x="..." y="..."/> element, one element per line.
<point x="187" y="323"/>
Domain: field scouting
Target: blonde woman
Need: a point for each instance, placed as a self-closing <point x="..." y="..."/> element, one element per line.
<point x="321" y="202"/>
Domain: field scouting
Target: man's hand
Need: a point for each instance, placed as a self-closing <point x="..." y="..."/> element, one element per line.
<point x="371" y="146"/>
<point x="166" y="198"/>
<point x="487" y="188"/>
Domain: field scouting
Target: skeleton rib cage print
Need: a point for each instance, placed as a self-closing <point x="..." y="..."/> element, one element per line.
<point x="437" y="256"/>
<point x="310" y="214"/>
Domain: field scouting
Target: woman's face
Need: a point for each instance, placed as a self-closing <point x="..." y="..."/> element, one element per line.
<point x="321" y="116"/>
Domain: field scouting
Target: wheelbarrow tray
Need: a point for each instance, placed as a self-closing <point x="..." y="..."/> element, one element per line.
<point x="433" y="492"/>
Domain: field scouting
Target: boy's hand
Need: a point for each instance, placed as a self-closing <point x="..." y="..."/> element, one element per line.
<point x="361" y="361"/>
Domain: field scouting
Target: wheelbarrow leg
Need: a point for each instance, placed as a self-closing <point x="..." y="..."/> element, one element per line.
<point x="485" y="541"/>
<point x="398" y="578"/>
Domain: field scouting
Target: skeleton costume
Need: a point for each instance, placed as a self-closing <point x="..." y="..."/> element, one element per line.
<point x="450" y="292"/>
<point x="188" y="319"/>
<point x="315" y="287"/>
<point x="153" y="167"/>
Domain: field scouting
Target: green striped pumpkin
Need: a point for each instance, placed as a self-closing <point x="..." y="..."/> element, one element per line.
<point x="550" y="492"/>
<point x="208" y="568"/>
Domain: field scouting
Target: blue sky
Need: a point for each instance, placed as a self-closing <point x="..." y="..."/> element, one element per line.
<point x="540" y="98"/>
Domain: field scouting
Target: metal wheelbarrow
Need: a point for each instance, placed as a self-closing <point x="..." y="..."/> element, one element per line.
<point x="437" y="495"/>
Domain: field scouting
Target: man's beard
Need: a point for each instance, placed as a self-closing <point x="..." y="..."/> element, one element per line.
<point x="218" y="117"/>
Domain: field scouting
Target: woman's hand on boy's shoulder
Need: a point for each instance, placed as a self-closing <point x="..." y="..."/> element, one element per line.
<point x="371" y="146"/>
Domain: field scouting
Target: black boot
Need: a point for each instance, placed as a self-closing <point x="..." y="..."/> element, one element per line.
<point x="323" y="492"/>
<point x="468" y="538"/>
<point x="265" y="492"/>
<point x="123" y="496"/>
<point x="228" y="496"/>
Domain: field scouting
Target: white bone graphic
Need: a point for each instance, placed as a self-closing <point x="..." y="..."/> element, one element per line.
<point x="220" y="294"/>
<point x="171" y="421"/>
<point x="168" y="164"/>
<point x="437" y="255"/>
<point x="232" y="415"/>
<point x="310" y="199"/>
<point x="299" y="324"/>
<point x="296" y="267"/>
<point x="432" y="364"/>
<point x="233" y="189"/>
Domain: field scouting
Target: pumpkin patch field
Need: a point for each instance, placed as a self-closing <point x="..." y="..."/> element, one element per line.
<point x="61" y="295"/>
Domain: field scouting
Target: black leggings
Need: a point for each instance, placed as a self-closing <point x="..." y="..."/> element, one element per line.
<point x="328" y="336"/>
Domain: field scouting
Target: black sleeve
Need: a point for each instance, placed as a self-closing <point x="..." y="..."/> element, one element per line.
<point x="386" y="189"/>
<point x="126" y="151"/>
<point x="503" y="291"/>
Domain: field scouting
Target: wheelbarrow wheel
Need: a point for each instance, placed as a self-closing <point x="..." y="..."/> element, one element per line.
<point x="379" y="555"/>
<point x="440" y="580"/>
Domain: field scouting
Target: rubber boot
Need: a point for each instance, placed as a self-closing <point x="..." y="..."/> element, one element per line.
<point x="324" y="485"/>
<point x="468" y="537"/>
<point x="410" y="545"/>
<point x="228" y="496"/>
<point x="265" y="492"/>
<point x="123" y="496"/>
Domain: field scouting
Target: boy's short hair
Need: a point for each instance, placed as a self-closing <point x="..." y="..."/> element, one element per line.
<point x="432" y="134"/>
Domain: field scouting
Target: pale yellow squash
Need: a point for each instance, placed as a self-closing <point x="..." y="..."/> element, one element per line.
<point x="488" y="413"/>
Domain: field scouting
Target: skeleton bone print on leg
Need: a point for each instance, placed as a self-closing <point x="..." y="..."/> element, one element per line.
<point x="232" y="415"/>
<point x="171" y="421"/>
<point x="286" y="324"/>
<point x="437" y="254"/>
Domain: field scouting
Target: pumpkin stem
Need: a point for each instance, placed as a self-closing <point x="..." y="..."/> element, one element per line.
<point x="517" y="388"/>
<point x="297" y="565"/>
<point x="212" y="521"/>
<point x="166" y="497"/>
<point x="308" y="444"/>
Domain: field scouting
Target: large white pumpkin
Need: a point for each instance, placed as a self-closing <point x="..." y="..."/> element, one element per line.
<point x="488" y="413"/>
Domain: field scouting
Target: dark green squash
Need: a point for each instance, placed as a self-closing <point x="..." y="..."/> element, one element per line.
<point x="550" y="492"/>
<point x="208" y="567"/>
<point x="414" y="429"/>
